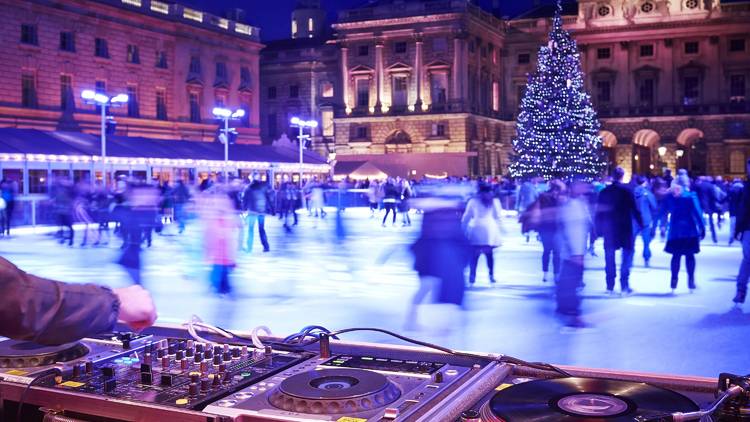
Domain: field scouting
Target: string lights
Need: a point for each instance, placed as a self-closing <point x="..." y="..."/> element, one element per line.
<point x="557" y="127"/>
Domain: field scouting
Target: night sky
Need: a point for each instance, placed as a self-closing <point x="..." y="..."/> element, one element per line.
<point x="273" y="16"/>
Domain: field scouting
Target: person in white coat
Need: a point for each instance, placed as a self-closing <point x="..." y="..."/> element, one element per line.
<point x="481" y="222"/>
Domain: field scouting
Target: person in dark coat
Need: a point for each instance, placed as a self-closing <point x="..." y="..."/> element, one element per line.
<point x="708" y="197"/>
<point x="685" y="230"/>
<point x="742" y="233"/>
<point x="647" y="207"/>
<point x="734" y="201"/>
<point x="50" y="312"/>
<point x="548" y="227"/>
<point x="616" y="210"/>
<point x="254" y="200"/>
<point x="8" y="191"/>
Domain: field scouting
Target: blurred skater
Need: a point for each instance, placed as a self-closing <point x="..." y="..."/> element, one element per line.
<point x="685" y="229"/>
<point x="575" y="225"/>
<point x="482" y="224"/>
<point x="221" y="225"/>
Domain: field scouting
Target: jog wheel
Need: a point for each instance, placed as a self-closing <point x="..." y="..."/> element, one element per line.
<point x="25" y="354"/>
<point x="334" y="391"/>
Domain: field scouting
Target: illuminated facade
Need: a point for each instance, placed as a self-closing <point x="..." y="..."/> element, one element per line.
<point x="176" y="64"/>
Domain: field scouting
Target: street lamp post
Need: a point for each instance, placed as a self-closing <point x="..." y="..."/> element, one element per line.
<point x="225" y="115"/>
<point x="103" y="101"/>
<point x="302" y="124"/>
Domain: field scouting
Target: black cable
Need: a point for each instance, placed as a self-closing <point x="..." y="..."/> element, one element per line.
<point x="36" y="380"/>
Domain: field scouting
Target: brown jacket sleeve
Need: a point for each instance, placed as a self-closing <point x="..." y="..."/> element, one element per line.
<point x="51" y="312"/>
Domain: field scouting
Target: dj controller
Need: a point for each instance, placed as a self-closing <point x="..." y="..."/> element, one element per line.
<point x="168" y="374"/>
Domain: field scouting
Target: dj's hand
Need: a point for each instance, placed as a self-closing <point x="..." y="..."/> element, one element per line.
<point x="137" y="309"/>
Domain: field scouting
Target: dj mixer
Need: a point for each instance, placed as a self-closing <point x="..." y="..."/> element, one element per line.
<point x="169" y="374"/>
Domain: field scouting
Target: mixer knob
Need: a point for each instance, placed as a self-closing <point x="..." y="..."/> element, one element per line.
<point x="193" y="389"/>
<point x="89" y="366"/>
<point x="147" y="358"/>
<point x="145" y="367"/>
<point x="471" y="416"/>
<point x="235" y="353"/>
<point x="180" y="355"/>
<point x="198" y="357"/>
<point x="205" y="384"/>
<point x="437" y="378"/>
<point x="171" y="349"/>
<point x="195" y="377"/>
<point x="189" y="352"/>
<point x="227" y="356"/>
<point x="146" y="378"/>
<point x="182" y="345"/>
<point x="268" y="351"/>
<point x="217" y="380"/>
<point x="160" y="353"/>
<point x="204" y="367"/>
<point x="76" y="371"/>
<point x="208" y="354"/>
<point x="199" y="347"/>
<point x="184" y="364"/>
<point x="217" y="359"/>
<point x="217" y="349"/>
<point x="244" y="350"/>
<point x="165" y="362"/>
<point x="108" y="372"/>
<point x="222" y="368"/>
<point x="190" y="344"/>
<point x="166" y="380"/>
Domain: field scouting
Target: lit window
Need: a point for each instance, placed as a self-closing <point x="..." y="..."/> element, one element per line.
<point x="159" y="7"/>
<point x="326" y="90"/>
<point x="326" y="117"/>
<point x="495" y="96"/>
<point x="193" y="15"/>
<point x="223" y="23"/>
<point x="309" y="24"/>
<point x="136" y="3"/>
<point x="438" y="130"/>
<point x="294" y="27"/>
<point x="243" y="29"/>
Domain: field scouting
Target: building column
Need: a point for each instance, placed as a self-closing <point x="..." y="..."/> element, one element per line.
<point x="345" y="78"/>
<point x="456" y="71"/>
<point x="378" y="76"/>
<point x="418" y="74"/>
<point x="465" y="72"/>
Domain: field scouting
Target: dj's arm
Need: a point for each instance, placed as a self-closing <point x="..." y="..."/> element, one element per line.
<point x="51" y="312"/>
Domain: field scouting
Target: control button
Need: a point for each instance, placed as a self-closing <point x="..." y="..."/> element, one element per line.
<point x="146" y="378"/>
<point x="181" y="402"/>
<point x="270" y="384"/>
<point x="451" y="372"/>
<point x="243" y="395"/>
<point x="109" y="385"/>
<point x="226" y="403"/>
<point x="438" y="377"/>
<point x="193" y="389"/>
<point x="108" y="372"/>
<point x="262" y="388"/>
<point x="166" y="380"/>
<point x="262" y="384"/>
<point x="390" y="413"/>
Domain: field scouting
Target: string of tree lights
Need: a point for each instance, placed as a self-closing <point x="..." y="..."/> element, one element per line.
<point x="557" y="127"/>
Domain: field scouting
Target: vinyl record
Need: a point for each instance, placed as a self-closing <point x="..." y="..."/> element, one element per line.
<point x="585" y="399"/>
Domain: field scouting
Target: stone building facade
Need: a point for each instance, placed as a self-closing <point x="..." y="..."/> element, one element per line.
<point x="669" y="79"/>
<point x="175" y="63"/>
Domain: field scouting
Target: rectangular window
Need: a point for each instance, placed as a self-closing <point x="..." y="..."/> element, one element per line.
<point x="363" y="50"/>
<point x="272" y="129"/>
<point x="524" y="58"/>
<point x="310" y="25"/>
<point x="495" y="96"/>
<point x="195" y="66"/>
<point x="363" y="93"/>
<point x="439" y="87"/>
<point x="326" y="117"/>
<point x="132" y="55"/>
<point x="38" y="181"/>
<point x="603" y="91"/>
<point x="246" y="81"/>
<point x="326" y="90"/>
<point x="100" y="48"/>
<point x="438" y="130"/>
<point x="647" y="50"/>
<point x="737" y="45"/>
<point x="400" y="47"/>
<point x="361" y="132"/>
<point x="737" y="86"/>
<point x="220" y="100"/>
<point x="691" y="47"/>
<point x="29" y="34"/>
<point x="646" y="92"/>
<point x="294" y="27"/>
<point x="67" y="100"/>
<point x="161" y="59"/>
<point x="293" y="91"/>
<point x="195" y="107"/>
<point x="271" y="93"/>
<point x="133" y="101"/>
<point x="221" y="72"/>
<point x="161" y="104"/>
<point x="399" y="91"/>
<point x="28" y="90"/>
<point x="690" y="90"/>
<point x="439" y="44"/>
<point x="67" y="41"/>
<point x="603" y="53"/>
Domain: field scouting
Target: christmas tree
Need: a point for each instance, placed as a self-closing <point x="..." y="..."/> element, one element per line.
<point x="557" y="128"/>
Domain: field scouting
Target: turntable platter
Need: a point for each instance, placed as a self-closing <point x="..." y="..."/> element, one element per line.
<point x="583" y="399"/>
<point x="25" y="354"/>
<point x="334" y="391"/>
